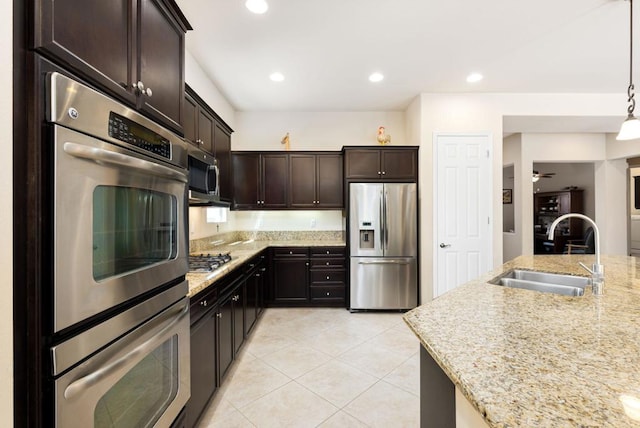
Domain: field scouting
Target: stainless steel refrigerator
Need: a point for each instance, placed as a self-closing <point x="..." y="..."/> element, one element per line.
<point x="383" y="236"/>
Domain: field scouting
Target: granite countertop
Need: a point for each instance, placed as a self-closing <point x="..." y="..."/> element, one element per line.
<point x="530" y="359"/>
<point x="241" y="252"/>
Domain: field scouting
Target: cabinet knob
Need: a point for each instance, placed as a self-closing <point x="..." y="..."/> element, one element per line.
<point x="327" y="263"/>
<point x="252" y="264"/>
<point x="263" y="269"/>
<point x="379" y="172"/>
<point x="219" y="315"/>
<point x="327" y="276"/>
<point x="139" y="87"/>
<point x="307" y="263"/>
<point x="384" y="172"/>
<point x="257" y="275"/>
<point x="327" y="251"/>
<point x="204" y="303"/>
<point x="290" y="252"/>
<point x="327" y="293"/>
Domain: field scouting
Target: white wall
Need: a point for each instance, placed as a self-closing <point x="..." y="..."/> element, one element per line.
<point x="315" y="130"/>
<point x="6" y="214"/>
<point x="484" y="113"/>
<point x="206" y="89"/>
<point x="512" y="155"/>
<point x="319" y="220"/>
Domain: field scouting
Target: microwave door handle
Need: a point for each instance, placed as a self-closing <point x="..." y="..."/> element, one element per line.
<point x="216" y="171"/>
<point x="91" y="379"/>
<point x="100" y="155"/>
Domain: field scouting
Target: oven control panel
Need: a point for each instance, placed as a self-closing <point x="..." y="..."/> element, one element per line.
<point x="137" y="135"/>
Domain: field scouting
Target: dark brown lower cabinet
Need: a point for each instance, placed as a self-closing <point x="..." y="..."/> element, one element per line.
<point x="308" y="276"/>
<point x="225" y="330"/>
<point x="203" y="365"/>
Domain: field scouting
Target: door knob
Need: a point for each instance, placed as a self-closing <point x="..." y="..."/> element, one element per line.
<point x="443" y="245"/>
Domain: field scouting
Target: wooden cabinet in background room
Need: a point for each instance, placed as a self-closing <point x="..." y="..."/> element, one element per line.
<point x="260" y="180"/>
<point x="372" y="163"/>
<point x="547" y="206"/>
<point x="315" y="180"/>
<point x="132" y="50"/>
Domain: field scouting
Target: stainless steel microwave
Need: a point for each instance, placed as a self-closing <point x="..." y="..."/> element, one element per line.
<point x="204" y="179"/>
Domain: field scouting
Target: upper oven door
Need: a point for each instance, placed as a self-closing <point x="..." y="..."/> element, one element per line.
<point x="120" y="226"/>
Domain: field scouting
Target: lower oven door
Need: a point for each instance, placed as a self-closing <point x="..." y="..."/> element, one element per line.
<point x="141" y="380"/>
<point x="119" y="226"/>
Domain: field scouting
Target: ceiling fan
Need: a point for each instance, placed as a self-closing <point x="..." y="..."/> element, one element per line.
<point x="538" y="175"/>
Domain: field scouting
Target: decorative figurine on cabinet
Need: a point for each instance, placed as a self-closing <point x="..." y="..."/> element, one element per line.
<point x="382" y="138"/>
<point x="285" y="141"/>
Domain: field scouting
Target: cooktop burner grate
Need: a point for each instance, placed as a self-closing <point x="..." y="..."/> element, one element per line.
<point x="207" y="262"/>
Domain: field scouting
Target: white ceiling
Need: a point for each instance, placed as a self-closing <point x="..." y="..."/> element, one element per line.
<point x="327" y="49"/>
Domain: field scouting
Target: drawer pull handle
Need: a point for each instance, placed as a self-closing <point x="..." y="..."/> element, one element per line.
<point x="204" y="303"/>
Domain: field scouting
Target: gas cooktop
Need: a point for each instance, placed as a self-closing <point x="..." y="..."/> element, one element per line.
<point x="207" y="262"/>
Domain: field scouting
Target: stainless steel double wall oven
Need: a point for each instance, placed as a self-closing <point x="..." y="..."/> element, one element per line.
<point x="119" y="348"/>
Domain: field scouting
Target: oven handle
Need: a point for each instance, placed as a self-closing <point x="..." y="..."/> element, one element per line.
<point x="91" y="379"/>
<point x="101" y="155"/>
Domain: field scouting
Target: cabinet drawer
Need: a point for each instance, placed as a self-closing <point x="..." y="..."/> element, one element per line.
<point x="327" y="263"/>
<point x="327" y="276"/>
<point x="327" y="251"/>
<point x="202" y="302"/>
<point x="328" y="292"/>
<point x="291" y="252"/>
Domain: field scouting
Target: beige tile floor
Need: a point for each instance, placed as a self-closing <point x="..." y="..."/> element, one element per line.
<point x="322" y="367"/>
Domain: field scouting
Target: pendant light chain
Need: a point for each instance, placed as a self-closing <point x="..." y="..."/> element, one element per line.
<point x="630" y="94"/>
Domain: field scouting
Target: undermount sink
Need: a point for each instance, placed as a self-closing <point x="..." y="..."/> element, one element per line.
<point x="568" y="285"/>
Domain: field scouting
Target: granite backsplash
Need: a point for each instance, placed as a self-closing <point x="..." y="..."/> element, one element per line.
<point x="204" y="244"/>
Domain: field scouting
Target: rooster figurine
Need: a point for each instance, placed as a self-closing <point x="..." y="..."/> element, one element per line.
<point x="285" y="141"/>
<point x="382" y="138"/>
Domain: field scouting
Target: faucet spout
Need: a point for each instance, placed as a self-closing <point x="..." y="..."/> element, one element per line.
<point x="597" y="272"/>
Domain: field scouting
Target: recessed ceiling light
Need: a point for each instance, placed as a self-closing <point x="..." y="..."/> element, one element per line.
<point x="376" y="77"/>
<point x="257" y="6"/>
<point x="474" y="77"/>
<point x="276" y="77"/>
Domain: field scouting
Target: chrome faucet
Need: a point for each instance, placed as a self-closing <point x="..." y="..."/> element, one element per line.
<point x="597" y="269"/>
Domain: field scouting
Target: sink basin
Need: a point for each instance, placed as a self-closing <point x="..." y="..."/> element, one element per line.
<point x="568" y="285"/>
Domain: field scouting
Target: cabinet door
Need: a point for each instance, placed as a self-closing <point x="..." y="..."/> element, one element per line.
<point x="203" y="366"/>
<point x="190" y="120"/>
<point x="302" y="180"/>
<point x="362" y="164"/>
<point x="564" y="203"/>
<point x="251" y="299"/>
<point x="329" y="181"/>
<point x="261" y="284"/>
<point x="222" y="144"/>
<point x="161" y="63"/>
<point x="246" y="180"/>
<point x="275" y="178"/>
<point x="290" y="280"/>
<point x="399" y="164"/>
<point x="205" y="131"/>
<point x="238" y="318"/>
<point x="94" y="37"/>
<point x="224" y="318"/>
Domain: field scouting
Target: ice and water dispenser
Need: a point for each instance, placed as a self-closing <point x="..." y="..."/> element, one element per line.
<point x="367" y="235"/>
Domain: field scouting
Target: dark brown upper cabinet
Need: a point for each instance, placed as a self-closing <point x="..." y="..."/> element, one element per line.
<point x="260" y="180"/>
<point x="203" y="128"/>
<point x="315" y="180"/>
<point x="133" y="50"/>
<point x="372" y="163"/>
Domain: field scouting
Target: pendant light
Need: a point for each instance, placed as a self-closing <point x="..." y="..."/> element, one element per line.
<point x="630" y="128"/>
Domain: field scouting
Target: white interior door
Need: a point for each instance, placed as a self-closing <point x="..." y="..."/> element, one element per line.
<point x="463" y="220"/>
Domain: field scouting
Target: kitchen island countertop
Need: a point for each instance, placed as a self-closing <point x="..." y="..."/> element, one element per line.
<point x="529" y="359"/>
<point x="241" y="252"/>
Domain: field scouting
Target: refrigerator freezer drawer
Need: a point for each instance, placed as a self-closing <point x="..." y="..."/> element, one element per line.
<point x="383" y="283"/>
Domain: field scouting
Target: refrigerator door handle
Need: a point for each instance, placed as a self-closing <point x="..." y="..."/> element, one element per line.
<point x="385" y="262"/>
<point x="382" y="223"/>
<point x="386" y="226"/>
